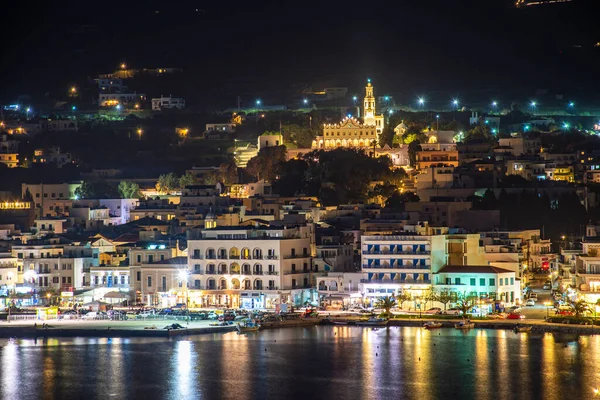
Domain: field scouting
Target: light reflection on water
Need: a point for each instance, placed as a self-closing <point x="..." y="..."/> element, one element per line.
<point x="316" y="363"/>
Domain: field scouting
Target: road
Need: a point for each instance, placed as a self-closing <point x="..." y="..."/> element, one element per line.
<point x="539" y="311"/>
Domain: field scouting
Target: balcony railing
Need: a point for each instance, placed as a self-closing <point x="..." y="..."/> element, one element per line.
<point x="404" y="252"/>
<point x="272" y="257"/>
<point x="235" y="257"/>
<point x="394" y="267"/>
<point x="257" y="273"/>
<point x="257" y="257"/>
<point x="246" y="272"/>
<point x="211" y="272"/>
<point x="293" y="256"/>
<point x="273" y="273"/>
<point x="196" y="257"/>
<point x="222" y="257"/>
<point x="211" y="256"/>
<point x="405" y="281"/>
<point x="197" y="271"/>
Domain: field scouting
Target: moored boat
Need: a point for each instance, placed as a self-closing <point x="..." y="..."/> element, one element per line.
<point x="519" y="328"/>
<point x="247" y="326"/>
<point x="340" y="322"/>
<point x="464" y="325"/>
<point x="432" y="325"/>
<point x="373" y="322"/>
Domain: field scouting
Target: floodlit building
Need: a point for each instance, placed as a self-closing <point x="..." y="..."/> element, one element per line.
<point x="251" y="267"/>
<point x="351" y="132"/>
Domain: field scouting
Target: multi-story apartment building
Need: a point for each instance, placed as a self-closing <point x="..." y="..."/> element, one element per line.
<point x="49" y="265"/>
<point x="252" y="267"/>
<point x="406" y="262"/>
<point x="152" y="270"/>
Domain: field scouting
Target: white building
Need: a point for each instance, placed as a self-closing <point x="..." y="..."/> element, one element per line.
<point x="340" y="289"/>
<point x="251" y="267"/>
<point x="484" y="282"/>
<point x="225" y="127"/>
<point x="162" y="103"/>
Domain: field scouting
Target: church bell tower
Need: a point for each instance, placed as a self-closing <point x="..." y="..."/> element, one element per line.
<point x="369" y="105"/>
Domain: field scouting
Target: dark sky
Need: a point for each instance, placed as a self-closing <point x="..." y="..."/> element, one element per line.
<point x="412" y="45"/>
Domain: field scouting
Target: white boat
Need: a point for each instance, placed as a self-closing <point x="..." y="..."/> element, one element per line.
<point x="432" y="325"/>
<point x="523" y="328"/>
<point x="247" y="326"/>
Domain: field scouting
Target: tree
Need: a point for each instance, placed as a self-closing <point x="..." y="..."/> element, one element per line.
<point x="265" y="165"/>
<point x="96" y="190"/>
<point x="430" y="296"/>
<point x="129" y="190"/>
<point x="413" y="148"/>
<point x="387" y="136"/>
<point x="479" y="134"/>
<point x="386" y="303"/>
<point x="403" y="297"/>
<point x="445" y="297"/>
<point x="465" y="303"/>
<point x="186" y="179"/>
<point x="167" y="183"/>
<point x="398" y="200"/>
<point x="580" y="307"/>
<point x="299" y="135"/>
<point x="291" y="178"/>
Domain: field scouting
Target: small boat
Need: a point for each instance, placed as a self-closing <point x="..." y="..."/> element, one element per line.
<point x="340" y="322"/>
<point x="432" y="325"/>
<point x="373" y="322"/>
<point x="464" y="325"/>
<point x="523" y="328"/>
<point x="247" y="326"/>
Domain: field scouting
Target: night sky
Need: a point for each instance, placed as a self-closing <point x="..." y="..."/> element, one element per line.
<point x="411" y="45"/>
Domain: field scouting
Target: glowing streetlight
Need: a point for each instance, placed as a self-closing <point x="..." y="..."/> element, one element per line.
<point x="571" y="104"/>
<point x="455" y="103"/>
<point x="183" y="277"/>
<point x="386" y="98"/>
<point x="123" y="66"/>
<point x="73" y="108"/>
<point x="354" y="98"/>
<point x="494" y="131"/>
<point x="118" y="106"/>
<point x="73" y="90"/>
<point x="139" y="132"/>
<point x="305" y="101"/>
<point x="526" y="127"/>
<point x="258" y="102"/>
<point x="494" y="104"/>
<point x="533" y="105"/>
<point x="566" y="126"/>
<point x="421" y="101"/>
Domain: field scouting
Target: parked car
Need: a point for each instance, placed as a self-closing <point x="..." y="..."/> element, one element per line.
<point x="533" y="296"/>
<point x="515" y="309"/>
<point x="497" y="316"/>
<point x="515" y="316"/>
<point x="547" y="286"/>
<point x="453" y="311"/>
<point x="212" y="315"/>
<point x="565" y="312"/>
<point x="227" y="317"/>
<point x="90" y="315"/>
<point x="530" y="303"/>
<point x="434" y="310"/>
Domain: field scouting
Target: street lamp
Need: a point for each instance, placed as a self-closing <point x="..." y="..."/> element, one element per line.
<point x="305" y="101"/>
<point x="421" y="102"/>
<point x="566" y="125"/>
<point x="437" y="120"/>
<point x="533" y="105"/>
<point x="118" y="107"/>
<point x="494" y="104"/>
<point x="354" y="98"/>
<point x="139" y="132"/>
<point x="571" y="104"/>
<point x="258" y="102"/>
<point x="28" y="110"/>
<point x="183" y="277"/>
<point x="455" y="103"/>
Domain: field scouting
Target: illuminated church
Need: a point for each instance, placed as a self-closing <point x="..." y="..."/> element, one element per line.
<point x="350" y="132"/>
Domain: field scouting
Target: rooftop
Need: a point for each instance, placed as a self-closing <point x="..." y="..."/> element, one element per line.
<point x="469" y="269"/>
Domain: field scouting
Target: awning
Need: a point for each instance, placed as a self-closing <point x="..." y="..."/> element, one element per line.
<point x="116" y="295"/>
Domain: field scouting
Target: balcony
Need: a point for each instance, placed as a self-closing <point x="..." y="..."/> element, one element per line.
<point x="197" y="272"/>
<point x="257" y="257"/>
<point x="236" y="257"/>
<point x="408" y="252"/>
<point x="257" y="273"/>
<point x="294" y="256"/>
<point x="398" y="281"/>
<point x="211" y="256"/>
<point x="222" y="257"/>
<point x="196" y="257"/>
<point x="211" y="272"/>
<point x="272" y="257"/>
<point x="272" y="273"/>
<point x="397" y="267"/>
<point x="271" y="288"/>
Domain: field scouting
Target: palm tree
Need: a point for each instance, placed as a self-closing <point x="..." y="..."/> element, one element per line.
<point x="386" y="303"/>
<point x="465" y="304"/>
<point x="581" y="307"/>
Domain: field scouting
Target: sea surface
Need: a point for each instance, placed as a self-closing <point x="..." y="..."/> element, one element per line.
<point x="306" y="363"/>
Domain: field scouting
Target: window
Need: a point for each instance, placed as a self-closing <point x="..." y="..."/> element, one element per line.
<point x="501" y="282"/>
<point x="492" y="282"/>
<point x="448" y="281"/>
<point x="150" y="259"/>
<point x="512" y="281"/>
<point x="149" y="281"/>
<point x="139" y="258"/>
<point x="473" y="280"/>
<point x="457" y="281"/>
<point x="293" y="267"/>
<point x="293" y="283"/>
<point x="481" y="281"/>
<point x="164" y="283"/>
<point x="138" y="276"/>
<point x="162" y="257"/>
